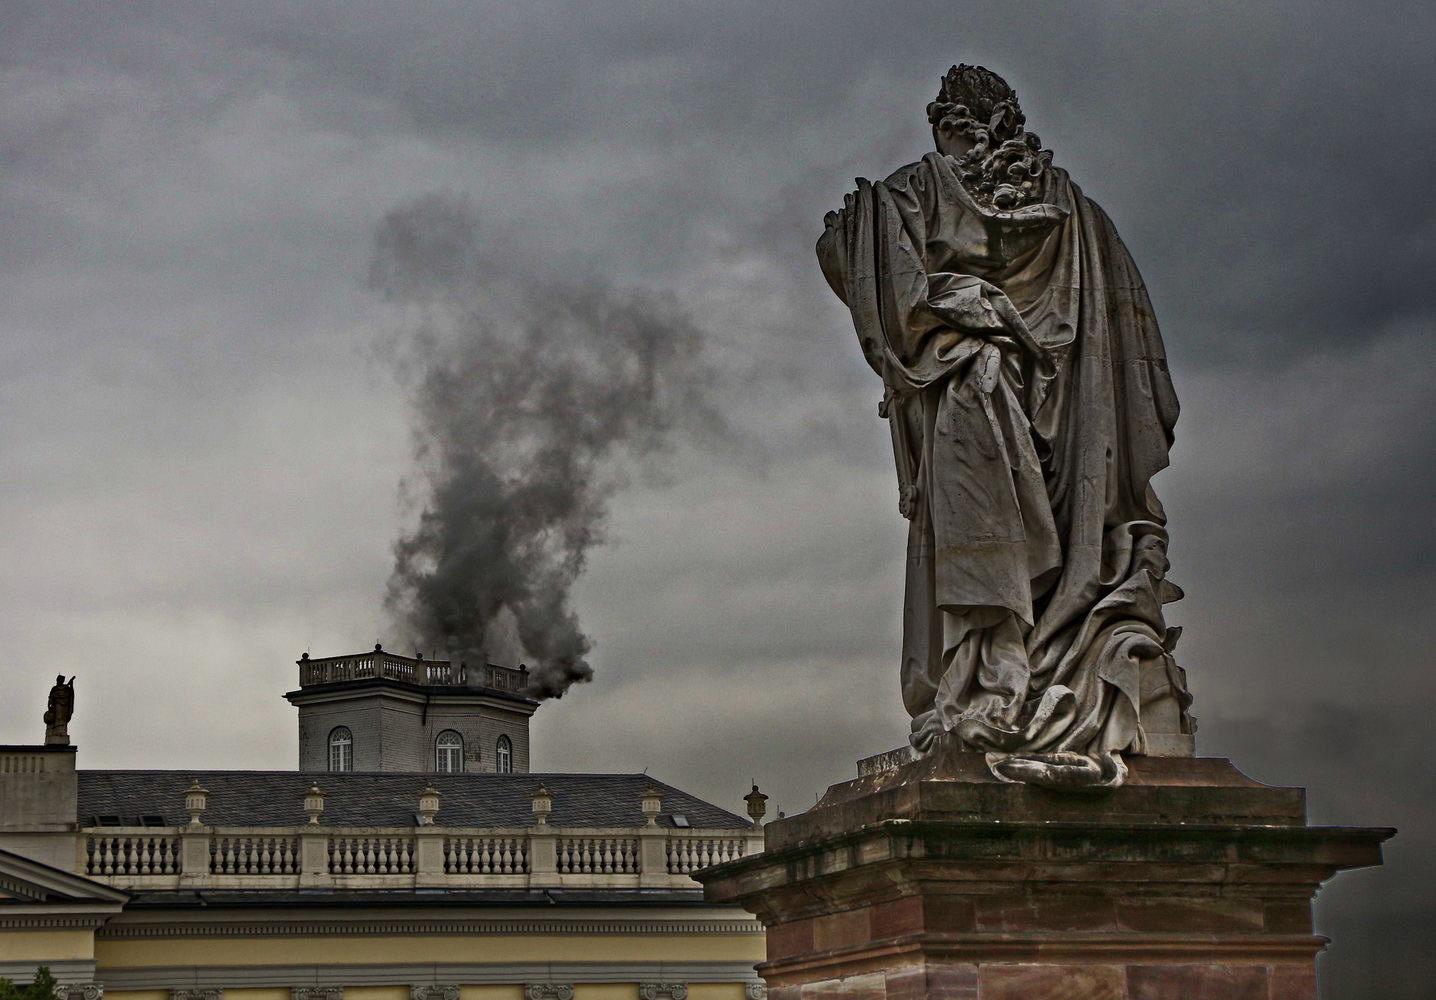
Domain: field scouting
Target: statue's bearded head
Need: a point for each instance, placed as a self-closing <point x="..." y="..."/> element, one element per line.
<point x="976" y="119"/>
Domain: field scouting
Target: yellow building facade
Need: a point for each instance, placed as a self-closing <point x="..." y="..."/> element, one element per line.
<point x="437" y="884"/>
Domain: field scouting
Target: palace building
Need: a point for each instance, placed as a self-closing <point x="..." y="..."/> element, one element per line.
<point x="412" y="855"/>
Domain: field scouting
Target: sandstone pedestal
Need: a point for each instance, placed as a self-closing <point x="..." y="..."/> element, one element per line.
<point x="935" y="880"/>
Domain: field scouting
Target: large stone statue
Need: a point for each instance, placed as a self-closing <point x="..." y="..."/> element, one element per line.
<point x="1030" y="406"/>
<point x="59" y="711"/>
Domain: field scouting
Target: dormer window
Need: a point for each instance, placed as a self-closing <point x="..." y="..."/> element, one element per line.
<point x="341" y="749"/>
<point x="504" y="756"/>
<point x="449" y="752"/>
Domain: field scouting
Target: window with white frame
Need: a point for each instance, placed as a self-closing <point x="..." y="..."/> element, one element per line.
<point x="449" y="752"/>
<point x="341" y="749"/>
<point x="504" y="756"/>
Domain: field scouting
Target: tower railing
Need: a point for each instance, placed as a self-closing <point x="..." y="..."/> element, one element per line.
<point x="380" y="663"/>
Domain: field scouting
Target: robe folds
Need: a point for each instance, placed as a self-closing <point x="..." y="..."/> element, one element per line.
<point x="1030" y="404"/>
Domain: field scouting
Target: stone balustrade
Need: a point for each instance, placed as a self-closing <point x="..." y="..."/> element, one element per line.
<point x="314" y="856"/>
<point x="411" y="670"/>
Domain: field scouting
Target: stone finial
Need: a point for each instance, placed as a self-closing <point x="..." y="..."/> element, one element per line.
<point x="542" y="804"/>
<point x="196" y="798"/>
<point x="429" y="803"/>
<point x="314" y="804"/>
<point x="757" y="805"/>
<point x="652" y="805"/>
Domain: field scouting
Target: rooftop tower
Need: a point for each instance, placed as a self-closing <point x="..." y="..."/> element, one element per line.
<point x="378" y="711"/>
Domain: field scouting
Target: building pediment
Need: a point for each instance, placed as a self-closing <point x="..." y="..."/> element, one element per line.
<point x="28" y="887"/>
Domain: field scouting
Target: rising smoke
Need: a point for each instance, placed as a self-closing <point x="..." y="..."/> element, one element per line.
<point x="532" y="397"/>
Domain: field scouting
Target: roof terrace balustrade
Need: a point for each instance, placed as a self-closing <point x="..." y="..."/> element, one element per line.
<point x="380" y="663"/>
<point x="309" y="856"/>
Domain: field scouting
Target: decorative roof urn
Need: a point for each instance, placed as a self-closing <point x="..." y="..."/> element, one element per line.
<point x="196" y="797"/>
<point x="652" y="805"/>
<point x="757" y="805"/>
<point x="314" y="804"/>
<point x="543" y="805"/>
<point x="429" y="804"/>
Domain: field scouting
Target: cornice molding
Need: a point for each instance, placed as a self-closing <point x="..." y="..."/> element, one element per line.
<point x="69" y="971"/>
<point x="388" y="687"/>
<point x="28" y="921"/>
<point x="408" y="974"/>
<point x="326" y="928"/>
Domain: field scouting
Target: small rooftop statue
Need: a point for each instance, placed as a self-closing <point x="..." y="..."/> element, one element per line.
<point x="1030" y="405"/>
<point x="59" y="712"/>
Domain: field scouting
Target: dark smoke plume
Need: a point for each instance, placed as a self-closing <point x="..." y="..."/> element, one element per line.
<point x="531" y="396"/>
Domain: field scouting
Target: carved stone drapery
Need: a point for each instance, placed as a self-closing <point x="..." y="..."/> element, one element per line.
<point x="663" y="991"/>
<point x="1029" y="402"/>
<point x="548" y="991"/>
<point x="434" y="992"/>
<point x="192" y="994"/>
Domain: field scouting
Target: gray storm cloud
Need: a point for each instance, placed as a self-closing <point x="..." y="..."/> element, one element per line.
<point x="179" y="186"/>
<point x="532" y="399"/>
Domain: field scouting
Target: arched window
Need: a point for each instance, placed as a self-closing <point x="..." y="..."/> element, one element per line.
<point x="504" y="756"/>
<point x="341" y="749"/>
<point x="449" y="752"/>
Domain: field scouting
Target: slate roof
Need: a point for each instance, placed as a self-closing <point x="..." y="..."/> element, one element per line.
<point x="275" y="798"/>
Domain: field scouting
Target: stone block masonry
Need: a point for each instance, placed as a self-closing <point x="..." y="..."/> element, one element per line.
<point x="936" y="881"/>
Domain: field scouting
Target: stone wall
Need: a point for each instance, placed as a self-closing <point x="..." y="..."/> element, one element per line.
<point x="397" y="732"/>
<point x="37" y="803"/>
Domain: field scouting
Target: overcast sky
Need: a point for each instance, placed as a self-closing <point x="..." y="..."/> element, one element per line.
<point x="206" y="415"/>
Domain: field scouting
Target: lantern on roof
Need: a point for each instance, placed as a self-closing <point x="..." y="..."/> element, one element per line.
<point x="757" y="805"/>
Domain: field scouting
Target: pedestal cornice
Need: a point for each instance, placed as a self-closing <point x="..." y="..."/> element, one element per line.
<point x="936" y="873"/>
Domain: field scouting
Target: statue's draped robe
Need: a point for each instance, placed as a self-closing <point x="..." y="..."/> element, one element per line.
<point x="1037" y="549"/>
